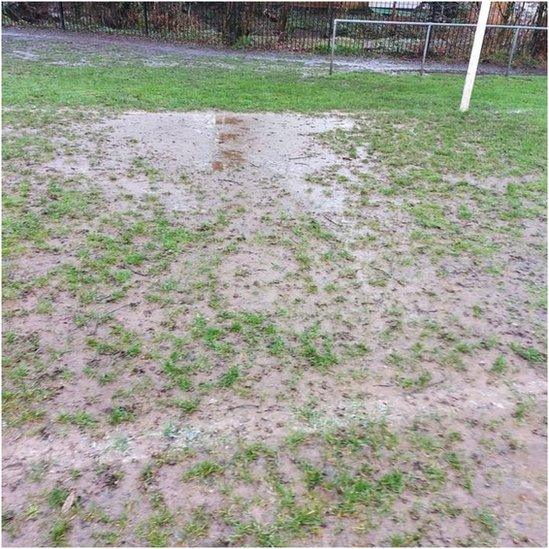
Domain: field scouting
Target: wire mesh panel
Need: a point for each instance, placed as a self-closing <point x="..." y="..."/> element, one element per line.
<point x="185" y="22"/>
<point x="112" y="17"/>
<point x="38" y="14"/>
<point x="303" y="26"/>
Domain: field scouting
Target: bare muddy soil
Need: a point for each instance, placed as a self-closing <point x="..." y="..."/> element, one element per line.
<point x="80" y="48"/>
<point x="217" y="333"/>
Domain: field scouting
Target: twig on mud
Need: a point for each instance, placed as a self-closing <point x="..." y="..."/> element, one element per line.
<point x="332" y="221"/>
<point x="243" y="406"/>
<point x="269" y="409"/>
<point x="417" y="389"/>
<point x="388" y="275"/>
<point x="298" y="157"/>
<point x="121" y="307"/>
<point x="94" y="331"/>
<point x="134" y="271"/>
<point x="294" y="241"/>
<point x="442" y="380"/>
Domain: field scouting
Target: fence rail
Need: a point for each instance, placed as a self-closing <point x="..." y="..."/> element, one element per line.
<point x="308" y="26"/>
<point x="429" y="26"/>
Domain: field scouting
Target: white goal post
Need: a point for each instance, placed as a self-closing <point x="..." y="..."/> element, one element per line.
<point x="480" y="29"/>
<point x="475" y="55"/>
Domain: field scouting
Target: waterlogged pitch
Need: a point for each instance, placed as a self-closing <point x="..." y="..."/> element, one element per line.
<point x="237" y="326"/>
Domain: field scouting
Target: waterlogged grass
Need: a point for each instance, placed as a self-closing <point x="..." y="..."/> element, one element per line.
<point x="165" y="357"/>
<point x="245" y="89"/>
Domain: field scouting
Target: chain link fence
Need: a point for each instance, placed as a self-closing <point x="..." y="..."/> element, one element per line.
<point x="302" y="26"/>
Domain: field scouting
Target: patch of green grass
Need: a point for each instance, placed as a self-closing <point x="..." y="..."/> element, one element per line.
<point x="530" y="354"/>
<point x="362" y="490"/>
<point x="430" y="216"/>
<point x="415" y="383"/>
<point x="230" y="377"/>
<point x="25" y="228"/>
<point x="198" y="526"/>
<point x="121" y="414"/>
<point x="263" y="535"/>
<point x="354" y="491"/>
<point x="141" y="165"/>
<point x="171" y="237"/>
<point x="44" y="307"/>
<point x="425" y="442"/>
<point x="499" y="366"/>
<point x="454" y="461"/>
<point x="435" y="476"/>
<point x="79" y="418"/>
<point x="277" y="346"/>
<point x="477" y="311"/>
<point x="30" y="147"/>
<point x="156" y="529"/>
<point x="373" y="434"/>
<point x="59" y="532"/>
<point x="392" y="482"/>
<point x="121" y="342"/>
<point x="487" y="521"/>
<point x="295" y="439"/>
<point x="297" y="521"/>
<point x="212" y="336"/>
<point x="312" y="476"/>
<point x="202" y="470"/>
<point x="107" y="538"/>
<point x="64" y="202"/>
<point x="256" y="331"/>
<point x="317" y="349"/>
<point x="178" y="372"/>
<point x="57" y="496"/>
<point x="241" y="89"/>
<point x="171" y="430"/>
<point x="409" y="539"/>
<point x="253" y="451"/>
<point x="464" y="212"/>
<point x="188" y="406"/>
<point x="522" y="408"/>
<point x="147" y="474"/>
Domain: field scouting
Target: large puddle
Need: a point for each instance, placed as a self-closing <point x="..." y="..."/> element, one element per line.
<point x="207" y="147"/>
<point x="173" y="155"/>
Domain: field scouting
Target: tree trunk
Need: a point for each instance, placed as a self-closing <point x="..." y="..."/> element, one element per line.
<point x="508" y="13"/>
<point x="539" y="38"/>
<point x="232" y="23"/>
<point x="282" y="23"/>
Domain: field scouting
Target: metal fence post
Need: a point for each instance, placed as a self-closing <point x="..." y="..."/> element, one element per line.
<point x="62" y="15"/>
<point x="332" y="46"/>
<point x="425" y="48"/>
<point x="512" y="51"/>
<point x="146" y="18"/>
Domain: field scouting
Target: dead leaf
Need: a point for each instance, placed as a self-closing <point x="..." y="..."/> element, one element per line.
<point x="69" y="502"/>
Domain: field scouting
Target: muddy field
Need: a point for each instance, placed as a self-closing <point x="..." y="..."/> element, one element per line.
<point x="228" y="328"/>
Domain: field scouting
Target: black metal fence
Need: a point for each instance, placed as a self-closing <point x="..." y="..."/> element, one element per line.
<point x="301" y="26"/>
